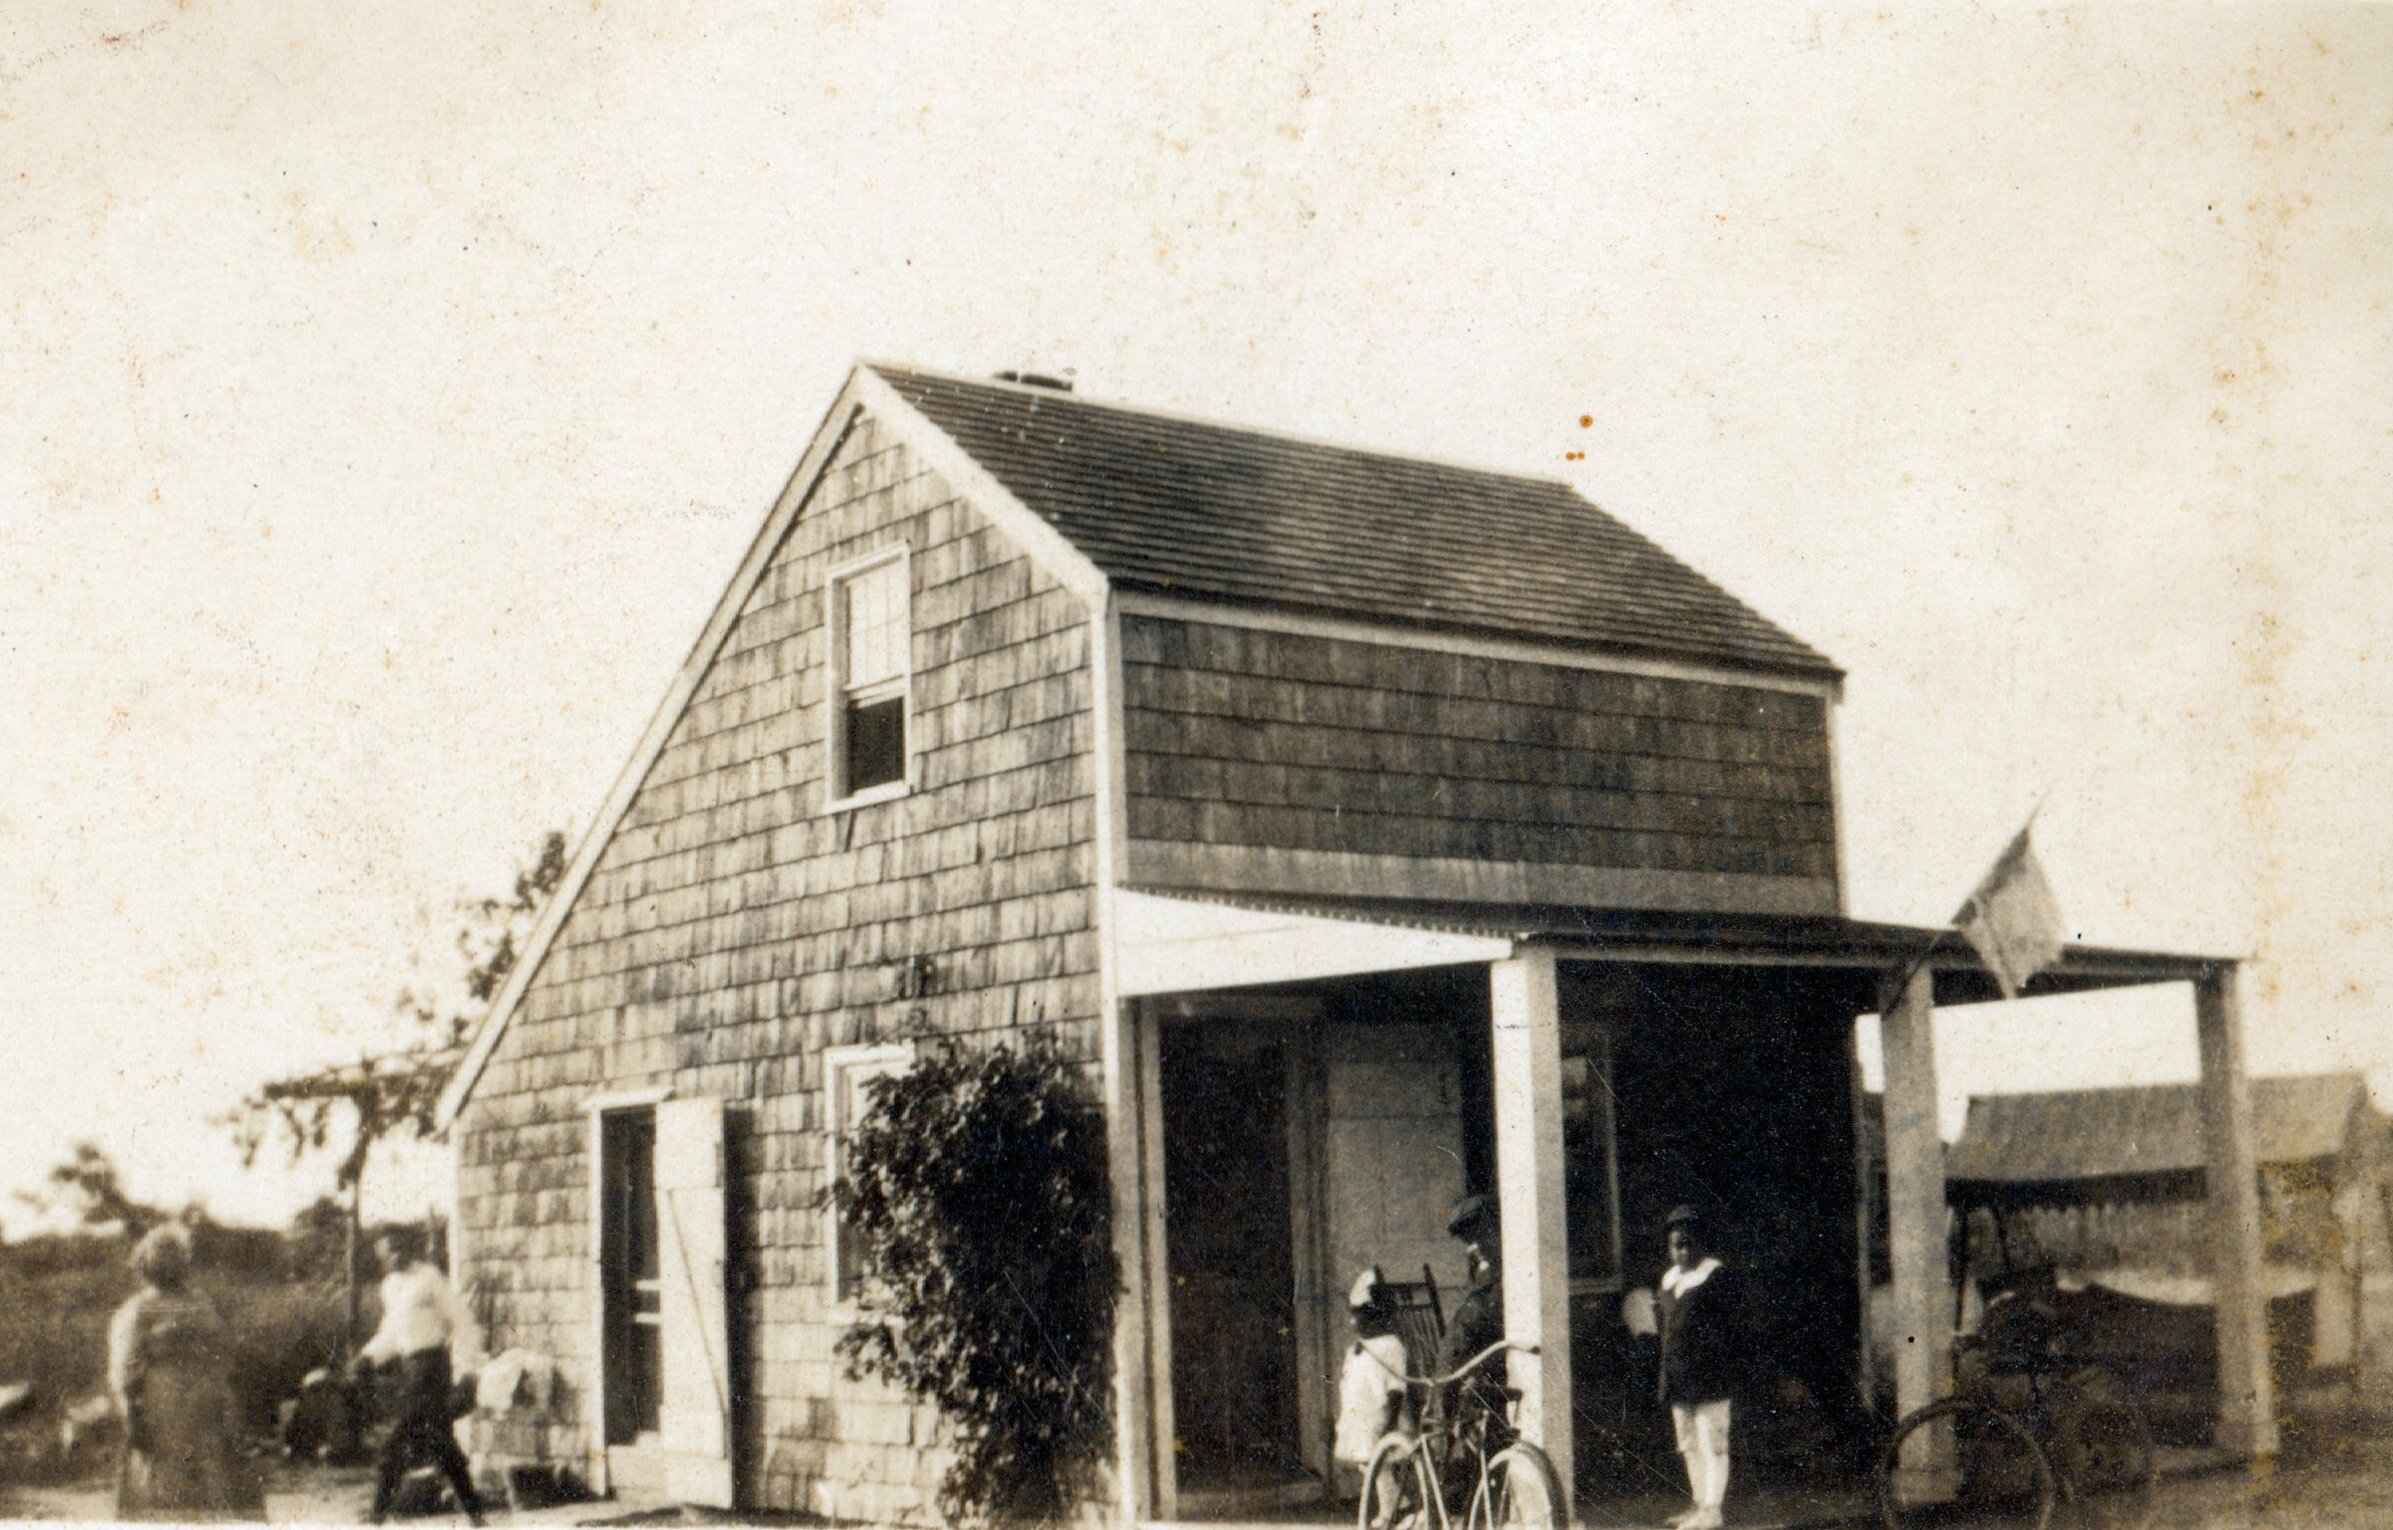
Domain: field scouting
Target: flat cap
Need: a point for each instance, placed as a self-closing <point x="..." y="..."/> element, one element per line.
<point x="1473" y="1214"/>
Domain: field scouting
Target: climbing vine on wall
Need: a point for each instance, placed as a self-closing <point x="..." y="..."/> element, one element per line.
<point x="977" y="1182"/>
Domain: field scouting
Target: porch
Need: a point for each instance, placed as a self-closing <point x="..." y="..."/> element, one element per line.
<point x="1309" y="1086"/>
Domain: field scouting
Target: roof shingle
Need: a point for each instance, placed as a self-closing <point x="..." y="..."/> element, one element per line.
<point x="2081" y="1134"/>
<point x="1245" y="517"/>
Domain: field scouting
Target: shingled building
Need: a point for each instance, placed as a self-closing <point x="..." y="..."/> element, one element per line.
<point x="1378" y="831"/>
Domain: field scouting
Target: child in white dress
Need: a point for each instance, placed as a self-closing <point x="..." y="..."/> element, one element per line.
<point x="1371" y="1389"/>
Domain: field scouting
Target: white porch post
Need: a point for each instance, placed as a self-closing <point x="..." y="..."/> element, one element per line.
<point x="1127" y="1106"/>
<point x="1527" y="1055"/>
<point x="1915" y="1225"/>
<point x="2247" y="1421"/>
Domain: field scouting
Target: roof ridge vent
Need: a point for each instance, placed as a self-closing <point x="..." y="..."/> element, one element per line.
<point x="1053" y="382"/>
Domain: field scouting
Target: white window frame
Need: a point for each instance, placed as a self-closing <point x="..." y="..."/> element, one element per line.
<point x="835" y="699"/>
<point x="1598" y="1047"/>
<point x="841" y="1065"/>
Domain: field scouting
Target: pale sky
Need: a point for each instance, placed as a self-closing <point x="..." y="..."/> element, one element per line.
<point x="390" y="389"/>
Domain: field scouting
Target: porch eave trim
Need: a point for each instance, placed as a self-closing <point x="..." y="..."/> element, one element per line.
<point x="1959" y="977"/>
<point x="1169" y="945"/>
<point x="1421" y="932"/>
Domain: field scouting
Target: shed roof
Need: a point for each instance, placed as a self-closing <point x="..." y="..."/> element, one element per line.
<point x="1249" y="517"/>
<point x="2148" y="1132"/>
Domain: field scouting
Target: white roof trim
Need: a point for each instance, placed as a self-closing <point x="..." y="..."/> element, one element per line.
<point x="628" y="781"/>
<point x="1024" y="527"/>
<point x="863" y="393"/>
<point x="1182" y="945"/>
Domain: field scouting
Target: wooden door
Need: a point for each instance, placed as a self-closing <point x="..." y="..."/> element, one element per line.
<point x="694" y="1408"/>
<point x="1230" y="1255"/>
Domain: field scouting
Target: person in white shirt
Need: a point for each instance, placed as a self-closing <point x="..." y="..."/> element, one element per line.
<point x="422" y="1321"/>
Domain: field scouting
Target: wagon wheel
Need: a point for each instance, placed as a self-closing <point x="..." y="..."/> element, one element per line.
<point x="2103" y="1455"/>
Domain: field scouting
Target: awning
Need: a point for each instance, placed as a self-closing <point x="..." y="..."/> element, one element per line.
<point x="1175" y="941"/>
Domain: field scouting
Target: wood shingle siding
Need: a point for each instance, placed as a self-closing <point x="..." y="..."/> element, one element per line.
<point x="731" y="931"/>
<point x="1332" y="674"/>
<point x="1244" y="736"/>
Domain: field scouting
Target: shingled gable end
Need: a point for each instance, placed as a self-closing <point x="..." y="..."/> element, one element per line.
<point x="1395" y="827"/>
<point x="1255" y="575"/>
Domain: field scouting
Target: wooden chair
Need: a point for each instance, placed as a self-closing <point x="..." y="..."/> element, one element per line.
<point x="1420" y="1320"/>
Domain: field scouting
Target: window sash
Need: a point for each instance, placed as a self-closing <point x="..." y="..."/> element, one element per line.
<point x="873" y="747"/>
<point x="870" y="632"/>
<point x="1590" y="1169"/>
<point x="873" y="628"/>
<point x="846" y="1073"/>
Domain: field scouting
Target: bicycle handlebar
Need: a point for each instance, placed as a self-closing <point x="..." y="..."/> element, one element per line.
<point x="1471" y="1364"/>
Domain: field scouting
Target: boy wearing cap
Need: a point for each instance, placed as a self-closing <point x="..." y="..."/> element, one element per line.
<point x="1478" y="1319"/>
<point x="1700" y="1344"/>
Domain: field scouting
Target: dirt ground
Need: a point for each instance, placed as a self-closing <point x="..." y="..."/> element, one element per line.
<point x="2345" y="1486"/>
<point x="308" y="1495"/>
<point x="2336" y="1474"/>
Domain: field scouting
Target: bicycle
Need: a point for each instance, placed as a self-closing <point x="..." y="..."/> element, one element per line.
<point x="2027" y="1439"/>
<point x="1512" y="1484"/>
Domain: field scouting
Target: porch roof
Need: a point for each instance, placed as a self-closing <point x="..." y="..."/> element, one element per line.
<point x="1868" y="950"/>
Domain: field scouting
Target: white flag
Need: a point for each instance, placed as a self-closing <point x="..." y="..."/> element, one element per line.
<point x="2012" y="921"/>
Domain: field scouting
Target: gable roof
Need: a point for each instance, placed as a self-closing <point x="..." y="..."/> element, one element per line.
<point x="2081" y="1134"/>
<point x="1104" y="497"/>
<point x="1247" y="517"/>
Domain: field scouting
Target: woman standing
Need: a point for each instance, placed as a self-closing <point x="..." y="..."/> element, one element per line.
<point x="1701" y="1357"/>
<point x="167" y="1360"/>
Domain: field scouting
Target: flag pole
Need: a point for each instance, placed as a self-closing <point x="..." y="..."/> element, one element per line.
<point x="1925" y="954"/>
<point x="1952" y="926"/>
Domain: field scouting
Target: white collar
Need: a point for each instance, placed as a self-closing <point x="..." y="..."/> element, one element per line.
<point x="1679" y="1282"/>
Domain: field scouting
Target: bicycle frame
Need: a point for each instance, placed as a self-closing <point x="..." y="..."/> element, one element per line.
<point x="1428" y="1463"/>
<point x="2079" y="1441"/>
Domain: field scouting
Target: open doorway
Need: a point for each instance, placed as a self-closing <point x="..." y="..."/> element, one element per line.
<point x="1231" y="1257"/>
<point x="662" y="1417"/>
<point x="630" y="1277"/>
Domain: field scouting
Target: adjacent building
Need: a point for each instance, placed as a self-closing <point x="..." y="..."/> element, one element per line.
<point x="2110" y="1186"/>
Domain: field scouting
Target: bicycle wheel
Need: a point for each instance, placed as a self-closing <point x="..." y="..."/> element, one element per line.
<point x="1998" y="1478"/>
<point x="1395" y="1487"/>
<point x="2107" y="1467"/>
<point x="1518" y="1489"/>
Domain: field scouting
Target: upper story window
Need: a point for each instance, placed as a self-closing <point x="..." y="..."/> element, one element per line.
<point x="871" y="633"/>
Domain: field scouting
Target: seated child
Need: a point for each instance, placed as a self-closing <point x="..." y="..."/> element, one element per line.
<point x="1371" y="1389"/>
